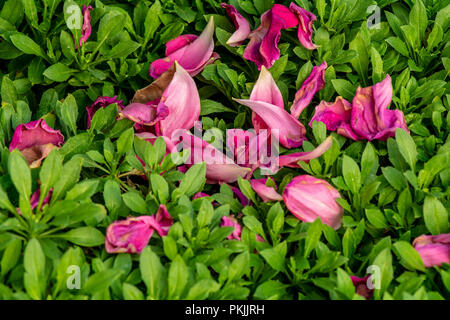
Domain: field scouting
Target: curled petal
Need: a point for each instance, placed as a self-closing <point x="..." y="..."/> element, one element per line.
<point x="336" y="116"/>
<point x="263" y="46"/>
<point x="179" y="42"/>
<point x="291" y="160"/>
<point x="287" y="129"/>
<point x="231" y="221"/>
<point x="370" y="117"/>
<point x="144" y="114"/>
<point x="86" y="28"/>
<point x="434" y="250"/>
<point x="200" y="195"/>
<point x="182" y="99"/>
<point x="219" y="168"/>
<point x="305" y="30"/>
<point x="266" y="192"/>
<point x="240" y="23"/>
<point x="314" y="83"/>
<point x="35" y="140"/>
<point x="193" y="56"/>
<point x="309" y="198"/>
<point x="161" y="221"/>
<point x="265" y="90"/>
<point x="131" y="235"/>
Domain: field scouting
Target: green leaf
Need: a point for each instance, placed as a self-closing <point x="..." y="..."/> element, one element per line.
<point x="50" y="172"/>
<point x="27" y="45"/>
<point x="31" y="12"/>
<point x="344" y="284"/>
<point x="110" y="25"/>
<point x="384" y="262"/>
<point x="11" y="256"/>
<point x="101" y="281"/>
<point x="239" y="266"/>
<point x="125" y="141"/>
<point x="275" y="256"/>
<point x="69" y="176"/>
<point x="409" y="256"/>
<point x="58" y="72"/>
<point x="8" y="91"/>
<point x="312" y="236"/>
<point x="84" y="236"/>
<point x="435" y="215"/>
<point x="135" y="202"/>
<point x="177" y="277"/>
<point x="418" y="19"/>
<point x="34" y="264"/>
<point x="376" y="218"/>
<point x="351" y="173"/>
<point x="407" y="147"/>
<point x="344" y="88"/>
<point x="153" y="273"/>
<point x="193" y="180"/>
<point x="398" y="45"/>
<point x="131" y="292"/>
<point x="210" y="106"/>
<point x="20" y="173"/>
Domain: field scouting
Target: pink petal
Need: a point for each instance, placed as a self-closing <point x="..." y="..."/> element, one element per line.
<point x="231" y="221"/>
<point x="179" y="42"/>
<point x="182" y="99"/>
<point x="370" y="117"/>
<point x="86" y="28"/>
<point x="265" y="192"/>
<point x="35" y="133"/>
<point x="131" y="235"/>
<point x="309" y="198"/>
<point x="434" y="250"/>
<point x="291" y="160"/>
<point x="193" y="57"/>
<point x="305" y="30"/>
<point x="265" y="90"/>
<point x="336" y="116"/>
<point x="314" y="83"/>
<point x="263" y="46"/>
<point x="144" y="114"/>
<point x="287" y="129"/>
<point x="240" y="23"/>
<point x="219" y="168"/>
<point x="161" y="221"/>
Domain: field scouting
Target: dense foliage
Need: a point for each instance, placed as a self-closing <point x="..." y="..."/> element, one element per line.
<point x="392" y="191"/>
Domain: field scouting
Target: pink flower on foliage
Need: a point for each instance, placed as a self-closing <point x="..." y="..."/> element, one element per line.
<point x="314" y="83"/>
<point x="266" y="189"/>
<point x="35" y="140"/>
<point x="361" y="286"/>
<point x="367" y="117"/>
<point x="133" y="234"/>
<point x="262" y="48"/>
<point x="434" y="250"/>
<point x="241" y="24"/>
<point x="191" y="52"/>
<point x="309" y="198"/>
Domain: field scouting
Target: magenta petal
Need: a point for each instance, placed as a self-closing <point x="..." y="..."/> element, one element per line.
<point x="309" y="198"/>
<point x="265" y="192"/>
<point x="287" y="129"/>
<point x="86" y="28"/>
<point x="314" y="83"/>
<point x="231" y="221"/>
<point x="200" y="195"/>
<point x="434" y="250"/>
<point x="183" y="103"/>
<point x="305" y="30"/>
<point x="240" y="23"/>
<point x="370" y="117"/>
<point x="361" y="286"/>
<point x="179" y="42"/>
<point x="291" y="160"/>
<point x="144" y="114"/>
<point x="193" y="57"/>
<point x="219" y="168"/>
<point x="161" y="221"/>
<point x="263" y="46"/>
<point x="131" y="235"/>
<point x="265" y="90"/>
<point x="336" y="116"/>
<point x="35" y="133"/>
<point x="101" y="102"/>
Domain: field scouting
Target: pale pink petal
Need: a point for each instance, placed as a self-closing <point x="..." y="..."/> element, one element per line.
<point x="240" y="23"/>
